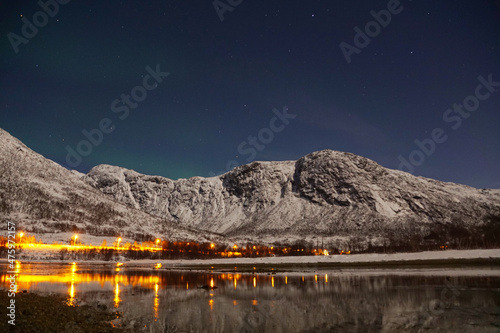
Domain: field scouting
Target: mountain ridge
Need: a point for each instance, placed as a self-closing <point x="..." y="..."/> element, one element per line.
<point x="323" y="194"/>
<point x="43" y="197"/>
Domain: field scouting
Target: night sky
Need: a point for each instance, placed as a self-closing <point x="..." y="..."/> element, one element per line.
<point x="268" y="82"/>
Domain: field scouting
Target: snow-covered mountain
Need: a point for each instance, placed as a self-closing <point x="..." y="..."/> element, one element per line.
<point x="41" y="196"/>
<point x="325" y="193"/>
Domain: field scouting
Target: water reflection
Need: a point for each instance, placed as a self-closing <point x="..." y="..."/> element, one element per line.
<point x="211" y="303"/>
<point x="117" y="295"/>
<point x="318" y="301"/>
<point x="156" y="302"/>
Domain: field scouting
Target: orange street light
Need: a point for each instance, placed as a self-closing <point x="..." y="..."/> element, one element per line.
<point x="158" y="241"/>
<point x="235" y="246"/>
<point x="118" y="241"/>
<point x="212" y="245"/>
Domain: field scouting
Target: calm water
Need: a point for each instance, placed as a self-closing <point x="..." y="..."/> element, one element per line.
<point x="451" y="300"/>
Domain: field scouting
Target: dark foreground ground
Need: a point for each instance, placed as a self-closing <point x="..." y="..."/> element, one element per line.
<point x="35" y="313"/>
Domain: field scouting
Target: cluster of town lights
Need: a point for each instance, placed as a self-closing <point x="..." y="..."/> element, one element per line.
<point x="75" y="243"/>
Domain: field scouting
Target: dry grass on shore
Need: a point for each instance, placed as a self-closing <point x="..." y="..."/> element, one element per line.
<point x="35" y="313"/>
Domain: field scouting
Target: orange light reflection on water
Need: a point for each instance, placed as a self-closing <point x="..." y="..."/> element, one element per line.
<point x="211" y="303"/>
<point x="71" y="300"/>
<point x="74" y="274"/>
<point x="77" y="279"/>
<point x="27" y="281"/>
<point x="71" y="278"/>
<point x="117" y="296"/>
<point x="156" y="304"/>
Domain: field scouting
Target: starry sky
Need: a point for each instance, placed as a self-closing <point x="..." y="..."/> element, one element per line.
<point x="193" y="88"/>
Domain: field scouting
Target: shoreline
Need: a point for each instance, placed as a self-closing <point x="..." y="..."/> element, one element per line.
<point x="427" y="259"/>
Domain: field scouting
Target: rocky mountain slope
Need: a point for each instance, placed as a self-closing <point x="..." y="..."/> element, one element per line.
<point x="40" y="196"/>
<point x="322" y="194"/>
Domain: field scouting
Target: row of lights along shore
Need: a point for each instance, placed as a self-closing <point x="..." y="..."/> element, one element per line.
<point x="157" y="245"/>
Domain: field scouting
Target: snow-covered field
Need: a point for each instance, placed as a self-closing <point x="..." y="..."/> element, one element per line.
<point x="425" y="257"/>
<point x="352" y="258"/>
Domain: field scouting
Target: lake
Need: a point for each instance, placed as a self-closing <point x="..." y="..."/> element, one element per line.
<point x="326" y="300"/>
